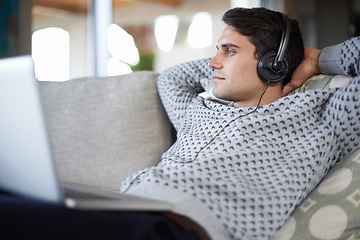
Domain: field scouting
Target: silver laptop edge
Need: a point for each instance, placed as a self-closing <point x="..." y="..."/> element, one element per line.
<point x="24" y="144"/>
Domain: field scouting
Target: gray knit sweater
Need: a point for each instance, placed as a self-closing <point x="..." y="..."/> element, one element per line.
<point x="240" y="173"/>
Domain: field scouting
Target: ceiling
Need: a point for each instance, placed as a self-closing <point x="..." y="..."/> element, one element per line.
<point x="80" y="6"/>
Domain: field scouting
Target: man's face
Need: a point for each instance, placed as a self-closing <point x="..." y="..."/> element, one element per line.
<point x="235" y="75"/>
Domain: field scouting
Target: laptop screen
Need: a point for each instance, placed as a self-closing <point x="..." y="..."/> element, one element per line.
<point x="26" y="163"/>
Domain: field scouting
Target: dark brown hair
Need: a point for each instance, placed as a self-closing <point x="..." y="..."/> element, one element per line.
<point x="264" y="29"/>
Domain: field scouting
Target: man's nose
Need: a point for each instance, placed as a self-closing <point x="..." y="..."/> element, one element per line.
<point x="215" y="63"/>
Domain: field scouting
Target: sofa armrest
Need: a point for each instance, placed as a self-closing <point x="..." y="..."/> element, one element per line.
<point x="103" y="129"/>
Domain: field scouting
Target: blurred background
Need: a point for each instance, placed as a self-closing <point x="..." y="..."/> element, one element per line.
<point x="81" y="38"/>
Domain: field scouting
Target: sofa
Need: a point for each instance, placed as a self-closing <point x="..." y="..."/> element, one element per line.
<point x="104" y="128"/>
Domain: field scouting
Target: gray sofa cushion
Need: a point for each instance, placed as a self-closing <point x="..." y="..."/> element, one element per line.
<point x="103" y="129"/>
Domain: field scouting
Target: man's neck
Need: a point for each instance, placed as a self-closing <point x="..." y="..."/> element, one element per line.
<point x="272" y="93"/>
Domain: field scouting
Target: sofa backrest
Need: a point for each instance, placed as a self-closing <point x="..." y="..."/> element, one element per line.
<point x="103" y="129"/>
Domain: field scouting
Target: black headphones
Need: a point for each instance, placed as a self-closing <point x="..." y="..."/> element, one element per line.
<point x="273" y="67"/>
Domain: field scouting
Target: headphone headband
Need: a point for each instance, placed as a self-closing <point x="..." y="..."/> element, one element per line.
<point x="280" y="56"/>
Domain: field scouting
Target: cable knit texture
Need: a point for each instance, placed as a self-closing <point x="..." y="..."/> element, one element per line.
<point x="251" y="169"/>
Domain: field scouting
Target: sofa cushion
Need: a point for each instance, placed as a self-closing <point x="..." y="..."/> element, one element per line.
<point x="103" y="129"/>
<point x="332" y="209"/>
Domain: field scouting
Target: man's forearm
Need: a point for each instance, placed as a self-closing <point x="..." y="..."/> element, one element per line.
<point x="341" y="59"/>
<point x="179" y="85"/>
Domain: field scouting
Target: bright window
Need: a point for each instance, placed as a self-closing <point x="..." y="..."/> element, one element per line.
<point x="245" y="3"/>
<point x="200" y="31"/>
<point x="123" y="51"/>
<point x="51" y="54"/>
<point x="166" y="28"/>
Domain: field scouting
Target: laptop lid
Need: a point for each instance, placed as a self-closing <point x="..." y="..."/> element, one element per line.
<point x="26" y="164"/>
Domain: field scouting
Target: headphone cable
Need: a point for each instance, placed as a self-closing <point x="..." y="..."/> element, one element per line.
<point x="212" y="140"/>
<point x="233" y="120"/>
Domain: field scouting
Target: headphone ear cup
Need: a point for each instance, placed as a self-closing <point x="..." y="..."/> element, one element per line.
<point x="266" y="71"/>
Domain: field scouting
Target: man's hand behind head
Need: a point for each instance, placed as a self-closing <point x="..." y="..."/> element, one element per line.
<point x="307" y="68"/>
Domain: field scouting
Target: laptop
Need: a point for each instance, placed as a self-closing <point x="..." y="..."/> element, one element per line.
<point x="27" y="165"/>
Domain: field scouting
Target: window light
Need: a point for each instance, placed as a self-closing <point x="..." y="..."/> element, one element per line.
<point x="122" y="46"/>
<point x="200" y="31"/>
<point x="51" y="54"/>
<point x="165" y="31"/>
<point x="245" y="3"/>
<point x="117" y="67"/>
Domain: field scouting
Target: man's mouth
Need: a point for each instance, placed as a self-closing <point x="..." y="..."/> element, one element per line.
<point x="218" y="77"/>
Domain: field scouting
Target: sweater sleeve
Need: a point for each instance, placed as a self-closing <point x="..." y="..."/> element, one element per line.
<point x="344" y="106"/>
<point x="179" y="85"/>
<point x="341" y="59"/>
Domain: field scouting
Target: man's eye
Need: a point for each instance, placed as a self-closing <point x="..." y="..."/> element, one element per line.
<point x="230" y="52"/>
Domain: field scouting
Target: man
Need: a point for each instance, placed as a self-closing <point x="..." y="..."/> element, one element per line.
<point x="247" y="39"/>
<point x="240" y="169"/>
